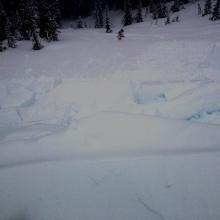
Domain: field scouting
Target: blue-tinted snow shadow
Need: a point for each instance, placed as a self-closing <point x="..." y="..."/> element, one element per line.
<point x="147" y="94"/>
<point x="203" y="114"/>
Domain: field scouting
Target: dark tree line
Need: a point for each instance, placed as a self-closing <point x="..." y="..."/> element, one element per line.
<point x="41" y="19"/>
<point x="211" y="8"/>
<point x="29" y="20"/>
<point x="35" y="19"/>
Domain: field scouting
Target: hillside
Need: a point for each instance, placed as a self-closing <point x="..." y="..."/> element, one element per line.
<point x="96" y="128"/>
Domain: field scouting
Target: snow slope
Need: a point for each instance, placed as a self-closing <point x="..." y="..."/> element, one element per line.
<point x="96" y="128"/>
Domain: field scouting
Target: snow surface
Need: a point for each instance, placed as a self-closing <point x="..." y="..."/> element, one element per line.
<point x="96" y="128"/>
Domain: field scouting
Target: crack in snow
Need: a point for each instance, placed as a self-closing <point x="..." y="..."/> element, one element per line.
<point x="148" y="208"/>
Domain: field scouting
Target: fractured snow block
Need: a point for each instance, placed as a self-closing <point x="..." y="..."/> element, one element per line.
<point x="147" y="98"/>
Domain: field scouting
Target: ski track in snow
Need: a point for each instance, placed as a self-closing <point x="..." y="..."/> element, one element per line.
<point x="149" y="209"/>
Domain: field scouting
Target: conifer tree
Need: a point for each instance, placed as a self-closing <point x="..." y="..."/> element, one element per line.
<point x="151" y="4"/>
<point x="2" y="27"/>
<point x="216" y="11"/>
<point x="161" y="9"/>
<point x="10" y="38"/>
<point x="29" y="18"/>
<point x="53" y="30"/>
<point x="56" y="12"/>
<point x="176" y="6"/>
<point x="139" y="17"/>
<point x="35" y="38"/>
<point x="34" y="28"/>
<point x="79" y="23"/>
<point x="207" y="7"/>
<point x="26" y="15"/>
<point x="96" y="17"/>
<point x="154" y="11"/>
<point x="98" y="14"/>
<point x="48" y="20"/>
<point x="5" y="28"/>
<point x="146" y="11"/>
<point x="43" y="8"/>
<point x="199" y="9"/>
<point x="107" y="21"/>
<point x="127" y="19"/>
<point x="16" y="25"/>
<point x="167" y="18"/>
<point x="1" y="46"/>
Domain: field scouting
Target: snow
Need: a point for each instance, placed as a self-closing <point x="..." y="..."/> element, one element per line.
<point x="156" y="188"/>
<point x="96" y="128"/>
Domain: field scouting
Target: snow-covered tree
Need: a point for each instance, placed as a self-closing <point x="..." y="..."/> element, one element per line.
<point x="34" y="30"/>
<point x="121" y="34"/>
<point x="167" y="19"/>
<point x="5" y="29"/>
<point x="139" y="17"/>
<point x="154" y="11"/>
<point x="35" y="38"/>
<point x="199" y="9"/>
<point x="26" y="9"/>
<point x="48" y="21"/>
<point x="146" y="11"/>
<point x="96" y="17"/>
<point x="176" y="6"/>
<point x="107" y="20"/>
<point x="161" y="8"/>
<point x="55" y="10"/>
<point x="98" y="14"/>
<point x="16" y="25"/>
<point x="127" y="18"/>
<point x="36" y="42"/>
<point x="216" y="11"/>
<point x="79" y="23"/>
<point x="2" y="27"/>
<point x="151" y="6"/>
<point x="207" y="7"/>
<point x="10" y="37"/>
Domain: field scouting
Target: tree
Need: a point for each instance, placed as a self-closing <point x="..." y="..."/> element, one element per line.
<point x="29" y="19"/>
<point x="154" y="11"/>
<point x="167" y="19"/>
<point x="207" y="7"/>
<point x="127" y="18"/>
<point x="151" y="6"/>
<point x="26" y="8"/>
<point x="79" y="23"/>
<point x="107" y="21"/>
<point x="10" y="38"/>
<point x="199" y="9"/>
<point x="176" y="6"/>
<point x="56" y="12"/>
<point x="139" y="17"/>
<point x="48" y="20"/>
<point x="146" y="10"/>
<point x="121" y="34"/>
<point x="216" y="11"/>
<point x="16" y="25"/>
<point x="161" y="10"/>
<point x="2" y="27"/>
<point x="35" y="39"/>
<point x="98" y="15"/>
<point x="5" y="31"/>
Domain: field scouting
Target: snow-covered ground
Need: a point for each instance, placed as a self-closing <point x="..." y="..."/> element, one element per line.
<point x="96" y="128"/>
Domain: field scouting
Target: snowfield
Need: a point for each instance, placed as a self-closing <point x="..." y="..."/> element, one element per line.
<point x="92" y="128"/>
